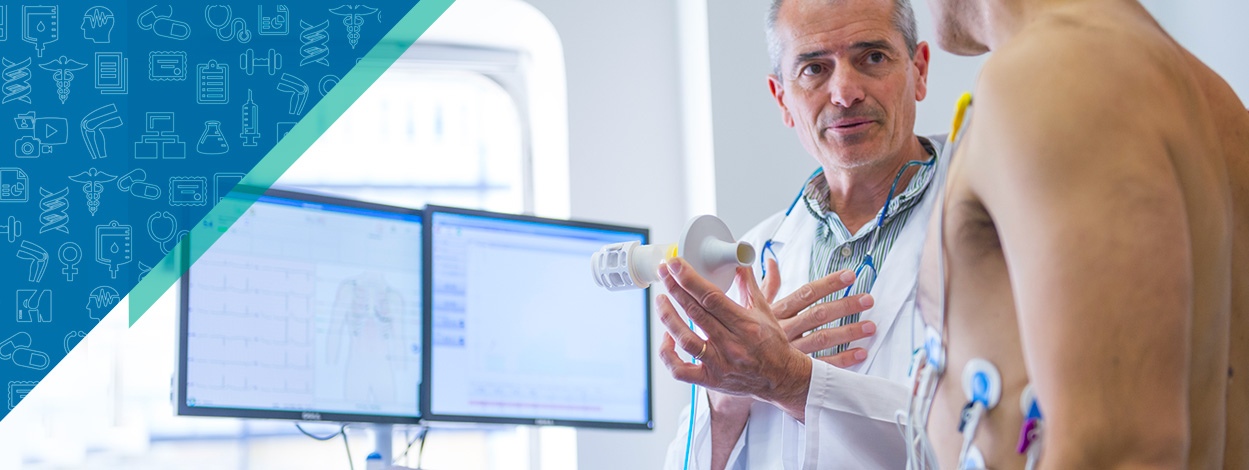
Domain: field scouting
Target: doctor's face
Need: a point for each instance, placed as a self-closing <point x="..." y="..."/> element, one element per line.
<point x="847" y="83"/>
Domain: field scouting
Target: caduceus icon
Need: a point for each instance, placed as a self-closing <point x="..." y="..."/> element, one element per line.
<point x="63" y="73"/>
<point x="93" y="185"/>
<point x="353" y="17"/>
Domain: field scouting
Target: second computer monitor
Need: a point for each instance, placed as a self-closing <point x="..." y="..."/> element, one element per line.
<point x="518" y="332"/>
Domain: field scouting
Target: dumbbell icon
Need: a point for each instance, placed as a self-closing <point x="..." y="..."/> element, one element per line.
<point x="12" y="230"/>
<point x="249" y="62"/>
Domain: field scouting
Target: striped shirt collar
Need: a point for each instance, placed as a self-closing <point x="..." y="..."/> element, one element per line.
<point x="815" y="199"/>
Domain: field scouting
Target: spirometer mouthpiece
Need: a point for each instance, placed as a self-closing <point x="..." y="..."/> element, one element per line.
<point x="706" y="244"/>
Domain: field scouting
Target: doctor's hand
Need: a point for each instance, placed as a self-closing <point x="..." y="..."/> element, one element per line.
<point x="797" y="323"/>
<point x="748" y="351"/>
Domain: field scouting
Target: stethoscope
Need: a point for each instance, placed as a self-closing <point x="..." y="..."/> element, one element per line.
<point x="231" y="27"/>
<point x="867" y="262"/>
<point x="174" y="234"/>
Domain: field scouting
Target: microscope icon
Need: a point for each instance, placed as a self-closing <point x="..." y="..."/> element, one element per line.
<point x="44" y="133"/>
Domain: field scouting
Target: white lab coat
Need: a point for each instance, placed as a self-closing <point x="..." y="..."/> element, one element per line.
<point x="850" y="413"/>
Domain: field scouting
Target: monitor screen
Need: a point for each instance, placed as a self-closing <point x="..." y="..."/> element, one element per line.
<point x="308" y="308"/>
<point x="518" y="332"/>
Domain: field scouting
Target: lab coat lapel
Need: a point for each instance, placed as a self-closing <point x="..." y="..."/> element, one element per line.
<point x="795" y="236"/>
<point x="894" y="291"/>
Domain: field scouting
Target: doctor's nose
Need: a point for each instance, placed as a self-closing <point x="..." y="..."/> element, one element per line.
<point x="845" y="88"/>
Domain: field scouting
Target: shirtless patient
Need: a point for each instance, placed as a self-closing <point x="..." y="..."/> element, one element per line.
<point x="1095" y="241"/>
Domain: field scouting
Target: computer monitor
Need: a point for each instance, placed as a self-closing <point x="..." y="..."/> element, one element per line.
<point x="307" y="308"/>
<point x="517" y="330"/>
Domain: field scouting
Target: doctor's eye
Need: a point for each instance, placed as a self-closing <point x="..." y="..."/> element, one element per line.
<point x="812" y="69"/>
<point x="876" y="57"/>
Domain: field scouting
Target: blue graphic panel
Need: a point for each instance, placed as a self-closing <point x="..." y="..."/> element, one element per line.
<point x="128" y="121"/>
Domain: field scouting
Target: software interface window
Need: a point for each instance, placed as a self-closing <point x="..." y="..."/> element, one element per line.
<point x="308" y="307"/>
<point x="499" y="284"/>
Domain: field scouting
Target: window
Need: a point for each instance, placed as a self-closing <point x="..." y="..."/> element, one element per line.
<point x="437" y="127"/>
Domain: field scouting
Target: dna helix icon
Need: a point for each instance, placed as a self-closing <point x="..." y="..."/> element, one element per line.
<point x="314" y="39"/>
<point x="16" y="77"/>
<point x="54" y="207"/>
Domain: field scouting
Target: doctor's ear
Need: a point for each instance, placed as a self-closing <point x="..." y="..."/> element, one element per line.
<point x="778" y="92"/>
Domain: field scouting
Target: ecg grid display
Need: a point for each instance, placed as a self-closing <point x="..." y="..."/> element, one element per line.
<point x="300" y="308"/>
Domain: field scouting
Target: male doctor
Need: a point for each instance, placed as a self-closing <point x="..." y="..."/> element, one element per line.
<point x="847" y="75"/>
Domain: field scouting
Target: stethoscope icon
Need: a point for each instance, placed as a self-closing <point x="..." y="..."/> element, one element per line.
<point x="221" y="18"/>
<point x="172" y="236"/>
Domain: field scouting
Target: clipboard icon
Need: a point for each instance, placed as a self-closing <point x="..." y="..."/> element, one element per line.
<point x="212" y="83"/>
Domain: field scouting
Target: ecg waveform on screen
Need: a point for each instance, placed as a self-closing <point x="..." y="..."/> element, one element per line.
<point x="301" y="308"/>
<point x="253" y="330"/>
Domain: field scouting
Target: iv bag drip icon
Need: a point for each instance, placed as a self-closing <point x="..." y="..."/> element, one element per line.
<point x="212" y="142"/>
<point x="39" y="26"/>
<point x="114" y="246"/>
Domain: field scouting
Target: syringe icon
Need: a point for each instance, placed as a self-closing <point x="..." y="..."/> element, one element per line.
<point x="251" y="131"/>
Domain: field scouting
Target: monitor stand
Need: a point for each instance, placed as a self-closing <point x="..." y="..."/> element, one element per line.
<point x="383" y="441"/>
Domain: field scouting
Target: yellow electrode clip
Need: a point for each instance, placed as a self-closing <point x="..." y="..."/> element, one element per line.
<point x="960" y="110"/>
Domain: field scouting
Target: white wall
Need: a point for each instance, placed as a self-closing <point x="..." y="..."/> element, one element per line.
<point x="625" y="161"/>
<point x="759" y="164"/>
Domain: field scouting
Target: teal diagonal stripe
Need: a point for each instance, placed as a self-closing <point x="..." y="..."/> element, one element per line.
<point x="284" y="154"/>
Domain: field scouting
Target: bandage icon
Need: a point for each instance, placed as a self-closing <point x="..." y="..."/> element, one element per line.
<point x="38" y="258"/>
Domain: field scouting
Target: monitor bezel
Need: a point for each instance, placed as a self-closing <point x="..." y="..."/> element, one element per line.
<point x="182" y="409"/>
<point x="427" y="354"/>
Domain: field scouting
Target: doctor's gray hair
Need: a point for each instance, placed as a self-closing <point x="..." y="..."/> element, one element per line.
<point x="903" y="21"/>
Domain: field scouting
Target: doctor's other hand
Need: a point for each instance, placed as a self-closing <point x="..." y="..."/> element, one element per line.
<point x="748" y="351"/>
<point x="796" y="323"/>
<point x="797" y="320"/>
